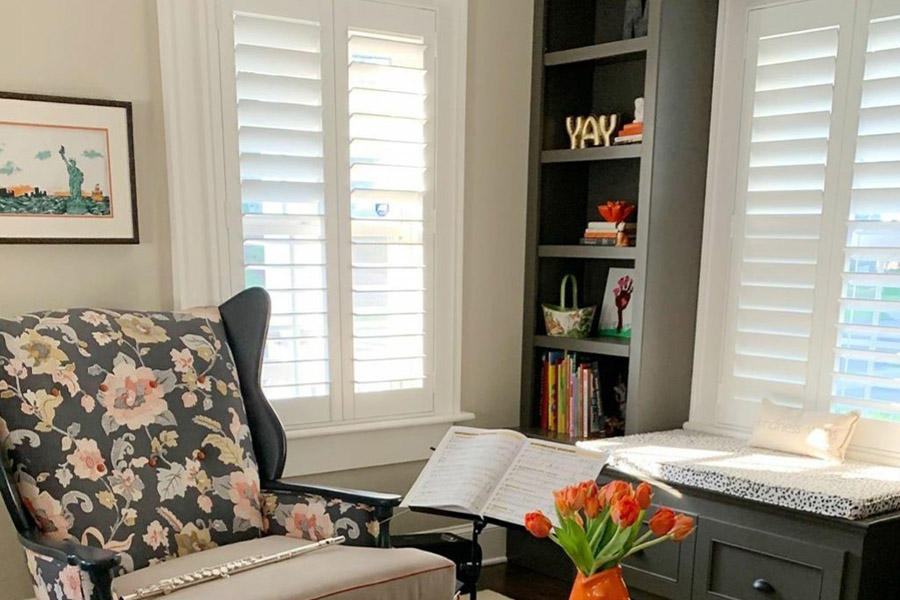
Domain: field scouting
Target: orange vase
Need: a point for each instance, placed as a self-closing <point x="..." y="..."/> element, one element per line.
<point x="605" y="585"/>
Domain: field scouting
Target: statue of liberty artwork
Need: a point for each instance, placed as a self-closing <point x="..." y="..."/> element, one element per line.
<point x="76" y="204"/>
<point x="33" y="182"/>
<point x="66" y="171"/>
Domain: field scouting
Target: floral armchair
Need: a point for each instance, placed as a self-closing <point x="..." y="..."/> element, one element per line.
<point x="132" y="441"/>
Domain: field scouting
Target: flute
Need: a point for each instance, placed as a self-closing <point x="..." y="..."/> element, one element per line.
<point x="225" y="570"/>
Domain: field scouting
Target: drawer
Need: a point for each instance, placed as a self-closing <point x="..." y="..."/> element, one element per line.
<point x="663" y="570"/>
<point x="741" y="563"/>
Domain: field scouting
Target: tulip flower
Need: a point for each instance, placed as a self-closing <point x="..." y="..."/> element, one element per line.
<point x="562" y="504"/>
<point x="601" y="495"/>
<point x="682" y="528"/>
<point x="625" y="511"/>
<point x="592" y="506"/>
<point x="643" y="494"/>
<point x="537" y="524"/>
<point x="662" y="521"/>
<point x="616" y="490"/>
<point x="575" y="496"/>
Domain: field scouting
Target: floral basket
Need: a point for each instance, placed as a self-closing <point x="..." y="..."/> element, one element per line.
<point x="573" y="322"/>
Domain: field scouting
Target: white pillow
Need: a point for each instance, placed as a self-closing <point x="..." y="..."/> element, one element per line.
<point x="818" y="434"/>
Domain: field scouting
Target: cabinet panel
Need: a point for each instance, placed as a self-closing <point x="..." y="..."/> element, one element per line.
<point x="739" y="563"/>
<point x="664" y="570"/>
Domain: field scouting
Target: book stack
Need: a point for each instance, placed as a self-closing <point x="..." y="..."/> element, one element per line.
<point x="570" y="395"/>
<point x="602" y="233"/>
<point x="631" y="133"/>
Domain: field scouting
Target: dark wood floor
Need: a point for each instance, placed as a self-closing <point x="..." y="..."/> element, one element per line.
<point x="521" y="584"/>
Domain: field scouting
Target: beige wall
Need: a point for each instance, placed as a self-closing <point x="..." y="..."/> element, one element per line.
<point x="90" y="49"/>
<point x="125" y="66"/>
<point x="113" y="54"/>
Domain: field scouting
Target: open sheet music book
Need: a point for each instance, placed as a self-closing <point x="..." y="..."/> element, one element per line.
<point x="500" y="474"/>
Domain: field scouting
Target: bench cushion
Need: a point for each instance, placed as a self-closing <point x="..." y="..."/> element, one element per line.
<point x="336" y="573"/>
<point x="851" y="490"/>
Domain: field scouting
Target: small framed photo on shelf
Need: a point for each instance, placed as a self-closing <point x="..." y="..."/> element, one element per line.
<point x="616" y="309"/>
<point x="66" y="171"/>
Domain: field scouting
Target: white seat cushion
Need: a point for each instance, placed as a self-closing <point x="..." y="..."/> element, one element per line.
<point x="335" y="573"/>
<point x="850" y="490"/>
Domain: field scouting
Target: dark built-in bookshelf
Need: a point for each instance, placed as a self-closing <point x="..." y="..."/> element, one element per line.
<point x="583" y="66"/>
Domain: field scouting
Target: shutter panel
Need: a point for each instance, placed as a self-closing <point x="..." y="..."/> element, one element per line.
<point x="279" y="93"/>
<point x="867" y="357"/>
<point x="336" y="184"/>
<point x="787" y="141"/>
<point x="390" y="130"/>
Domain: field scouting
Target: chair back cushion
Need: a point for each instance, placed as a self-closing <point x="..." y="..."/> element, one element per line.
<point x="127" y="430"/>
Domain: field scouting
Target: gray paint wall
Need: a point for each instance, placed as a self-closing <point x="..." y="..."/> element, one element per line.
<point x="124" y="64"/>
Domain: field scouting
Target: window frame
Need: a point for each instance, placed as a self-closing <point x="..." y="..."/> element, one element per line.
<point x="207" y="263"/>
<point x="875" y="440"/>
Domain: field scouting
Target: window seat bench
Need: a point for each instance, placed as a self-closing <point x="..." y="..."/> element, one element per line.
<point x="769" y="525"/>
<point x="850" y="490"/>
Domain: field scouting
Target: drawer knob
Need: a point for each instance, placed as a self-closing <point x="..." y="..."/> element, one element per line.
<point x="761" y="585"/>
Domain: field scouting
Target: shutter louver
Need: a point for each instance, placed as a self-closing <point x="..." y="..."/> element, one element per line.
<point x="776" y="245"/>
<point x="867" y="361"/>
<point x="278" y="67"/>
<point x="389" y="133"/>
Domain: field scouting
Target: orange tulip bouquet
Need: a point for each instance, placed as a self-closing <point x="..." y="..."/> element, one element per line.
<point x="600" y="527"/>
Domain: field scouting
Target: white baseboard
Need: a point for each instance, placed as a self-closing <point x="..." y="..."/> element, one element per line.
<point x="492" y="540"/>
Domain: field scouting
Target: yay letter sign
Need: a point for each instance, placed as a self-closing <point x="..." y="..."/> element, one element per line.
<point x="592" y="130"/>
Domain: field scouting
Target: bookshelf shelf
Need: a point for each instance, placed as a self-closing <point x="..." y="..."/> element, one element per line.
<point x="592" y="154"/>
<point x="586" y="251"/>
<point x="610" y="51"/>
<point x="552" y="436"/>
<point x="606" y="346"/>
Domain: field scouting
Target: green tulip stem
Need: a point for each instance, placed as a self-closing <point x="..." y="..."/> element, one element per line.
<point x="647" y="535"/>
<point x="638" y="547"/>
<point x="598" y="533"/>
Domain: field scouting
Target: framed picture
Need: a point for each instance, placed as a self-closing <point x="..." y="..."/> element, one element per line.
<point x="616" y="308"/>
<point x="66" y="171"/>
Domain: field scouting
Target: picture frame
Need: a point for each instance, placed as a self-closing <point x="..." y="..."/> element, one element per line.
<point x="617" y="307"/>
<point x="67" y="171"/>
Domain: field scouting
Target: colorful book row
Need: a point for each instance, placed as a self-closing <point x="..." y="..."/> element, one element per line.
<point x="570" y="395"/>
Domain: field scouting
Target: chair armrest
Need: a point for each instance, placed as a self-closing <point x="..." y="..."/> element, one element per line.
<point x="315" y="512"/>
<point x="375" y="499"/>
<point x="87" y="558"/>
<point x="75" y="570"/>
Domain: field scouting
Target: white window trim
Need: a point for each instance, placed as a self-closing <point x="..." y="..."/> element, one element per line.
<point x="202" y="267"/>
<point x="718" y="225"/>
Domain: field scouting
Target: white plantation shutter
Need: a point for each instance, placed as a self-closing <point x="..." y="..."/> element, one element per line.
<point x="333" y="105"/>
<point x="278" y="65"/>
<point x="810" y="316"/>
<point x="866" y="369"/>
<point x="388" y="196"/>
<point x="788" y="142"/>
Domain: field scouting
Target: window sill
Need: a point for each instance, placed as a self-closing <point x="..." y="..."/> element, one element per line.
<point x="341" y="447"/>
